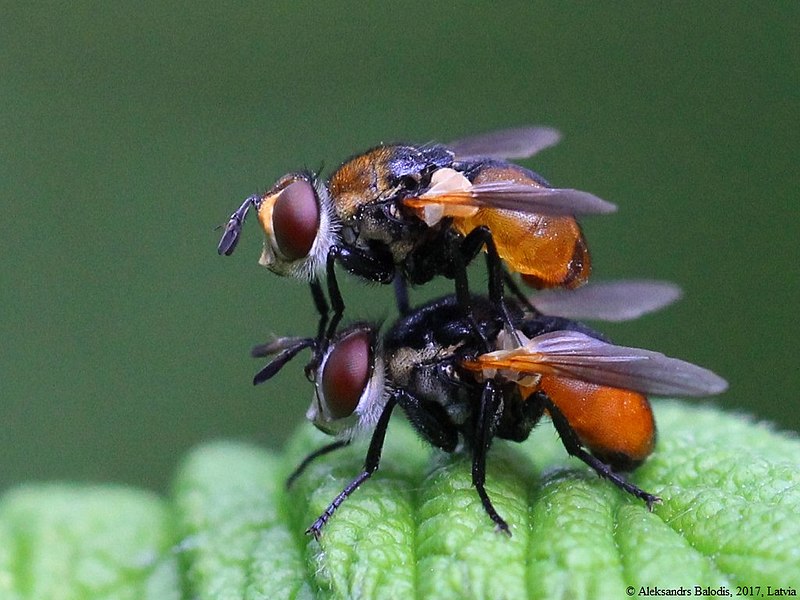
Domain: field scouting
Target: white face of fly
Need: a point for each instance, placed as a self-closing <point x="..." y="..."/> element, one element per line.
<point x="300" y="226"/>
<point x="350" y="385"/>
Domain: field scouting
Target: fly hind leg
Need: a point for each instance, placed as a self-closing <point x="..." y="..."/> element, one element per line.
<point x="573" y="446"/>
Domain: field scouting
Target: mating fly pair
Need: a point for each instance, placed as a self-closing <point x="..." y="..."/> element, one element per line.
<point x="407" y="213"/>
<point x="465" y="369"/>
<point x="458" y="396"/>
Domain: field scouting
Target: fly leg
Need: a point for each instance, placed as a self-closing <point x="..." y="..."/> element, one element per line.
<point x="321" y="304"/>
<point x="489" y="413"/>
<point x="470" y="246"/>
<point x="573" y="446"/>
<point x="371" y="464"/>
<point x="367" y="265"/>
<point x="463" y="296"/>
<point x="337" y="302"/>
<point x="401" y="294"/>
<point x="430" y="421"/>
<point x="518" y="294"/>
<point x="326" y="449"/>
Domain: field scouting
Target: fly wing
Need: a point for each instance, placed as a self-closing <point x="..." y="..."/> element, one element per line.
<point x="621" y="300"/>
<point x="575" y="355"/>
<point x="541" y="200"/>
<point x="452" y="193"/>
<point x="521" y="142"/>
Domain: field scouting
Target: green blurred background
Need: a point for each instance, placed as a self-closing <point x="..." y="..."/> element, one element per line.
<point x="129" y="132"/>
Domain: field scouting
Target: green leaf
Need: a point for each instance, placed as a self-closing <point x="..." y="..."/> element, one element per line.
<point x="729" y="517"/>
<point x="84" y="542"/>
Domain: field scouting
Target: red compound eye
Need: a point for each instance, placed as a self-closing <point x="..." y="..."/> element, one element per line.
<point x="346" y="374"/>
<point x="295" y="219"/>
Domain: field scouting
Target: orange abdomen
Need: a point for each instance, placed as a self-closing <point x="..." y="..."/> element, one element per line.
<point x="548" y="251"/>
<point x="616" y="425"/>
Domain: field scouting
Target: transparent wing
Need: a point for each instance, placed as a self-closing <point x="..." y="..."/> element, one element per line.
<point x="520" y="142"/>
<point x="507" y="195"/>
<point x="621" y="300"/>
<point x="528" y="198"/>
<point x="578" y="356"/>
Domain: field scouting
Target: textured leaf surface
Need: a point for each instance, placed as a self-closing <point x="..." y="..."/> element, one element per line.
<point x="731" y="500"/>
